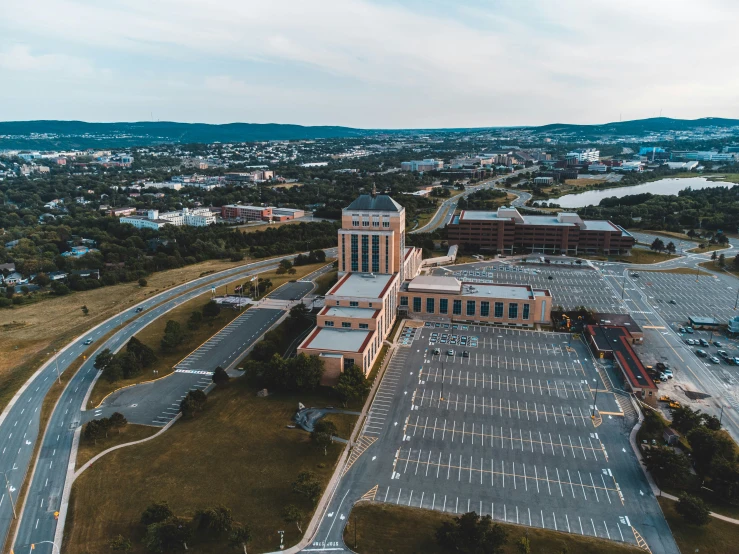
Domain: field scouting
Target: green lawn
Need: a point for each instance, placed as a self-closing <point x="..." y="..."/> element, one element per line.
<point x="390" y="529"/>
<point x="642" y="256"/>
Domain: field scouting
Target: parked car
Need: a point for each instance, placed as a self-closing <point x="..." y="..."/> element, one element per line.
<point x="668" y="373"/>
<point x="661" y="365"/>
<point x="735" y="361"/>
<point x="635" y="275"/>
<point x="662" y="377"/>
<point x="690" y="342"/>
<point x="681" y="329"/>
<point x="717" y="344"/>
<point x="724" y="354"/>
<point x="701" y="353"/>
<point x="672" y="302"/>
<point x="450" y="352"/>
<point x="465" y="354"/>
<point x="715" y="360"/>
<point x="689" y="330"/>
<point x="437" y="351"/>
<point x="703" y="342"/>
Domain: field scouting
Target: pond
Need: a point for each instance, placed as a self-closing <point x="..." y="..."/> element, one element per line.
<point x="662" y="187"/>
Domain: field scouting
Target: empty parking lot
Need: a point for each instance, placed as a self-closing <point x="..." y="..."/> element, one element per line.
<point x="508" y="431"/>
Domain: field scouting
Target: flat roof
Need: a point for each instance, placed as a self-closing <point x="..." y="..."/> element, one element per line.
<point x="514" y="292"/>
<point x="616" y="339"/>
<point x="344" y="311"/>
<point x="599" y="225"/>
<point x="433" y="283"/>
<point x="342" y="340"/>
<point x="546" y="220"/>
<point x="701" y="320"/>
<point x="476" y="215"/>
<point x="361" y="285"/>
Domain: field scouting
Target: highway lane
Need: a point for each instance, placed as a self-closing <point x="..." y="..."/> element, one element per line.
<point x="19" y="424"/>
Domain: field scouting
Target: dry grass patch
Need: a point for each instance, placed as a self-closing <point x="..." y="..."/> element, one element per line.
<point x="670" y="234"/>
<point x="713" y="266"/>
<point x="129" y="433"/>
<point x="708" y="248"/>
<point x="718" y="537"/>
<point x="389" y="529"/>
<point x="30" y="332"/>
<point x="255" y="228"/>
<point x="237" y="453"/>
<point x="344" y="424"/>
<point x="641" y="256"/>
<point x="677" y="271"/>
<point x="325" y="282"/>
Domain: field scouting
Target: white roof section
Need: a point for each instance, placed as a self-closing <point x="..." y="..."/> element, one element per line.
<point x="362" y="285"/>
<point x="344" y="311"/>
<point x="512" y="292"/>
<point x="599" y="225"/>
<point x="434" y="283"/>
<point x="345" y="340"/>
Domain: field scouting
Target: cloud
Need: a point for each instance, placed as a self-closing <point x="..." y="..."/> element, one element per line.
<point x="387" y="64"/>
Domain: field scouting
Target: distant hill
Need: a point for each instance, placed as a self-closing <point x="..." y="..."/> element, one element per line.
<point x="80" y="134"/>
<point x="637" y="126"/>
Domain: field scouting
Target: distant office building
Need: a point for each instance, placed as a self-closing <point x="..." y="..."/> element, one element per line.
<point x="705" y="156"/>
<point x="687" y="166"/>
<point x="118" y="212"/>
<point x="649" y="150"/>
<point x="421" y="165"/>
<point x="197" y="217"/>
<point x="544" y="181"/>
<point x="143" y="222"/>
<point x="506" y="230"/>
<point x="584" y="155"/>
<point x="629" y="166"/>
<point x="246" y="213"/>
<point x="286" y="214"/>
<point x="600" y="168"/>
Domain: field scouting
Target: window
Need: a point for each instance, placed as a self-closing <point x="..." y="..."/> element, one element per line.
<point x="416" y="303"/>
<point x="348" y="362"/>
<point x="429" y="305"/>
<point x="370" y="304"/>
<point x="355" y="253"/>
<point x="512" y="310"/>
<point x="386" y="223"/>
<point x="375" y="253"/>
<point x="365" y="222"/>
<point x="343" y="252"/>
<point x="375" y="222"/>
<point x="329" y="323"/>
<point x="365" y="253"/>
<point x="485" y="309"/>
<point x="387" y="254"/>
<point x="346" y="324"/>
<point x="443" y="306"/>
<point x="353" y="304"/>
<point x="457" y="307"/>
<point x="526" y="311"/>
<point x="499" y="309"/>
<point x="364" y="325"/>
<point x="355" y="222"/>
<point x="470" y="307"/>
<point x="403" y="300"/>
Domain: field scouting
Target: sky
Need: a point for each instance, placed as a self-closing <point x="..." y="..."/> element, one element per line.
<point x="369" y="63"/>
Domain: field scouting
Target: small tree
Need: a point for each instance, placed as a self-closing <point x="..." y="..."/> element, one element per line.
<point x="721" y="260"/>
<point x="85" y="310"/>
<point x="215" y="521"/>
<point x="307" y="485"/>
<point x="671" y="247"/>
<point x="103" y="359"/>
<point x="693" y="509"/>
<point x="714" y="255"/>
<point x="168" y="535"/>
<point x="292" y="514"/>
<point x="352" y="386"/>
<point x="120" y="544"/>
<point x="93" y="430"/>
<point x="239" y="537"/>
<point x="156" y="513"/>
<point x="220" y="376"/>
<point x="173" y="335"/>
<point x="193" y="403"/>
<point x="196" y="318"/>
<point x="211" y="309"/>
<point x="322" y="435"/>
<point x="658" y="245"/>
<point x="142" y="282"/>
<point x="524" y="545"/>
<point x="117" y="421"/>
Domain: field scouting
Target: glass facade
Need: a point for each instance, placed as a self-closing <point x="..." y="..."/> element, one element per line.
<point x="355" y="253"/>
<point x="387" y="254"/>
<point x="365" y="253"/>
<point x="403" y="300"/>
<point x="375" y="254"/>
<point x="512" y="310"/>
<point x="343" y="252"/>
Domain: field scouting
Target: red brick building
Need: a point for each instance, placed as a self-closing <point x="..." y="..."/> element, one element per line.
<point x="507" y="231"/>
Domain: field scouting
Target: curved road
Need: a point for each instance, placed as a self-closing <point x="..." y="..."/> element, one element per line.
<point x="448" y="206"/>
<point x="19" y="423"/>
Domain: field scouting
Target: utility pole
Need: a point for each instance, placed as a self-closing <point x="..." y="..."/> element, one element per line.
<point x="595" y="399"/>
<point x="10" y="494"/>
<point x="720" y="417"/>
<point x="56" y="360"/>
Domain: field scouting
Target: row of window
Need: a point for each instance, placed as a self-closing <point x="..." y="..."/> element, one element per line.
<point x="470" y="307"/>
<point x="375" y="223"/>
<point x="346" y="324"/>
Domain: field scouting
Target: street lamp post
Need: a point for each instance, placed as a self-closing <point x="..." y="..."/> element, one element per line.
<point x="53" y="545"/>
<point x="10" y="494"/>
<point x="595" y="399"/>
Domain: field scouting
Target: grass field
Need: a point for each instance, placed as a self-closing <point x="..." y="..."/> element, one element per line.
<point x="713" y="266"/>
<point x="129" y="433"/>
<point x="152" y="334"/>
<point x="344" y="424"/>
<point x="325" y="282"/>
<point x="641" y="256"/>
<point x="255" y="228"/>
<point x="708" y="248"/>
<point x="389" y="529"/>
<point x="29" y="333"/>
<point x="670" y="234"/>
<point x="676" y="270"/>
<point x="726" y="178"/>
<point x="718" y="537"/>
<point x="237" y="452"/>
